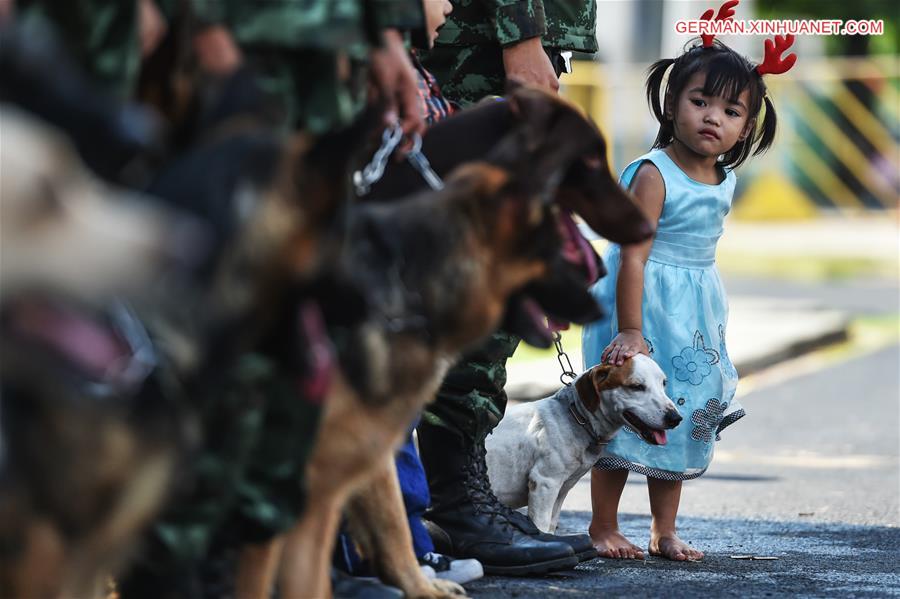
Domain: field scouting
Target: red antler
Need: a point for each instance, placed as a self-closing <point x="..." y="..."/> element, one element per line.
<point x="726" y="11"/>
<point x="773" y="63"/>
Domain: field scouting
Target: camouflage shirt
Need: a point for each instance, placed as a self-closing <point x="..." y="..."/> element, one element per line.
<point x="317" y="24"/>
<point x="310" y="55"/>
<point x="562" y="24"/>
<point x="101" y="36"/>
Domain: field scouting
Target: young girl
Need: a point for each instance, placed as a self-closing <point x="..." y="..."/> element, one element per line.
<point x="664" y="297"/>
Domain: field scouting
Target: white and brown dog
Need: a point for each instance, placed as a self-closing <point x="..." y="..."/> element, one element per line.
<point x="541" y="449"/>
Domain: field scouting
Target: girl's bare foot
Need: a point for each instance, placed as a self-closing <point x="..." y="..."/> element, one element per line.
<point x="612" y="543"/>
<point x="671" y="547"/>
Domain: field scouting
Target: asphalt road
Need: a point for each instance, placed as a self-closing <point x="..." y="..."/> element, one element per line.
<point x="811" y="476"/>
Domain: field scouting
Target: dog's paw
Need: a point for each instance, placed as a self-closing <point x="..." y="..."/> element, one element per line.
<point x="444" y="589"/>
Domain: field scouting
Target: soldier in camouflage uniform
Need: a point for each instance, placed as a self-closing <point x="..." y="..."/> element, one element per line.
<point x="473" y="57"/>
<point x="470" y="58"/>
<point x="312" y="57"/>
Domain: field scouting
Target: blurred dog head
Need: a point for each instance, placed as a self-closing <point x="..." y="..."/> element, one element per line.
<point x="64" y="231"/>
<point x="550" y="142"/>
<point x="587" y="187"/>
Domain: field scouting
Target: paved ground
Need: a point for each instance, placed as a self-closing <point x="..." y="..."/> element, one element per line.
<point x="815" y="560"/>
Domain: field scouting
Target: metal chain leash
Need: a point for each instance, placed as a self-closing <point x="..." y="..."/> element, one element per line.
<point x="370" y="174"/>
<point x="568" y="375"/>
<point x="364" y="179"/>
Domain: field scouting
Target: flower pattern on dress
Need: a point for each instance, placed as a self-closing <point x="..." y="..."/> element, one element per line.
<point x="707" y="420"/>
<point x="694" y="363"/>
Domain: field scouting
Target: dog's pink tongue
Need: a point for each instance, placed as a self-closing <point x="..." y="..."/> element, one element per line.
<point x="320" y="354"/>
<point x="659" y="437"/>
<point x="87" y="344"/>
<point x="576" y="249"/>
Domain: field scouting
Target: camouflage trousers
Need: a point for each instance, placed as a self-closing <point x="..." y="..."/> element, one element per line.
<point x="471" y="400"/>
<point x="245" y="485"/>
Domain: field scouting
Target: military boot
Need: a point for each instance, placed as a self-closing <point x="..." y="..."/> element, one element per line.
<point x="467" y="521"/>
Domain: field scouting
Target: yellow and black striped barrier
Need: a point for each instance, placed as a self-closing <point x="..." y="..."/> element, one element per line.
<point x="838" y="146"/>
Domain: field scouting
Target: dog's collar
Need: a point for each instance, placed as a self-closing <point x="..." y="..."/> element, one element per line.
<point x="581" y="420"/>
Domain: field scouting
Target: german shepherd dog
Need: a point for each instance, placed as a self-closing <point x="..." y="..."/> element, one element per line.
<point x="586" y="188"/>
<point x="83" y="464"/>
<point x="440" y="270"/>
<point x="90" y="429"/>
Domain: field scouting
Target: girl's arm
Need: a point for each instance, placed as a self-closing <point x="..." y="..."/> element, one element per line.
<point x="650" y="192"/>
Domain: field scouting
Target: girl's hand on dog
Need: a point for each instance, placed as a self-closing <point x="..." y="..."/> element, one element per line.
<point x="625" y="345"/>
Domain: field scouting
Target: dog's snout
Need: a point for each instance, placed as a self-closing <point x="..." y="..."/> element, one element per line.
<point x="672" y="418"/>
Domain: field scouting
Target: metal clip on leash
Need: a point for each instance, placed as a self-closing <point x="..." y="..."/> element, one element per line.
<point x="568" y="375"/>
<point x="370" y="174"/>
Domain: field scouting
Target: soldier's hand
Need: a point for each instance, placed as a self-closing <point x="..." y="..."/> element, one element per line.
<point x="216" y="50"/>
<point x="394" y="78"/>
<point x="526" y="62"/>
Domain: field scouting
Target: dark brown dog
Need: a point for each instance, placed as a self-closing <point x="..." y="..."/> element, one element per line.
<point x="587" y="186"/>
<point x="439" y="270"/>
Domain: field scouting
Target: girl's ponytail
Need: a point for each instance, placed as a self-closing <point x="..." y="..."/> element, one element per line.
<point x="767" y="129"/>
<point x="655" y="76"/>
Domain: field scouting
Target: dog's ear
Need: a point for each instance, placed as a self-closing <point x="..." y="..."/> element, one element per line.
<point x="590" y="384"/>
<point x="551" y="134"/>
<point x="317" y="173"/>
<point x="337" y="151"/>
<point x="533" y="108"/>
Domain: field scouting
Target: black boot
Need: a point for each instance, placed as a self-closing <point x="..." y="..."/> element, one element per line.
<point x="467" y="521"/>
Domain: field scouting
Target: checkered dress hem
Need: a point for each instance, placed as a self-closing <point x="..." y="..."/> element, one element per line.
<point x="617" y="463"/>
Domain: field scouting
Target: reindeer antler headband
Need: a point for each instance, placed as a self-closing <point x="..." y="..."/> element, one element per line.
<point x="772" y="63"/>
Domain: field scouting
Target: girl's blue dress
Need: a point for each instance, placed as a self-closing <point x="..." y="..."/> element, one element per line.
<point x="685" y="313"/>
